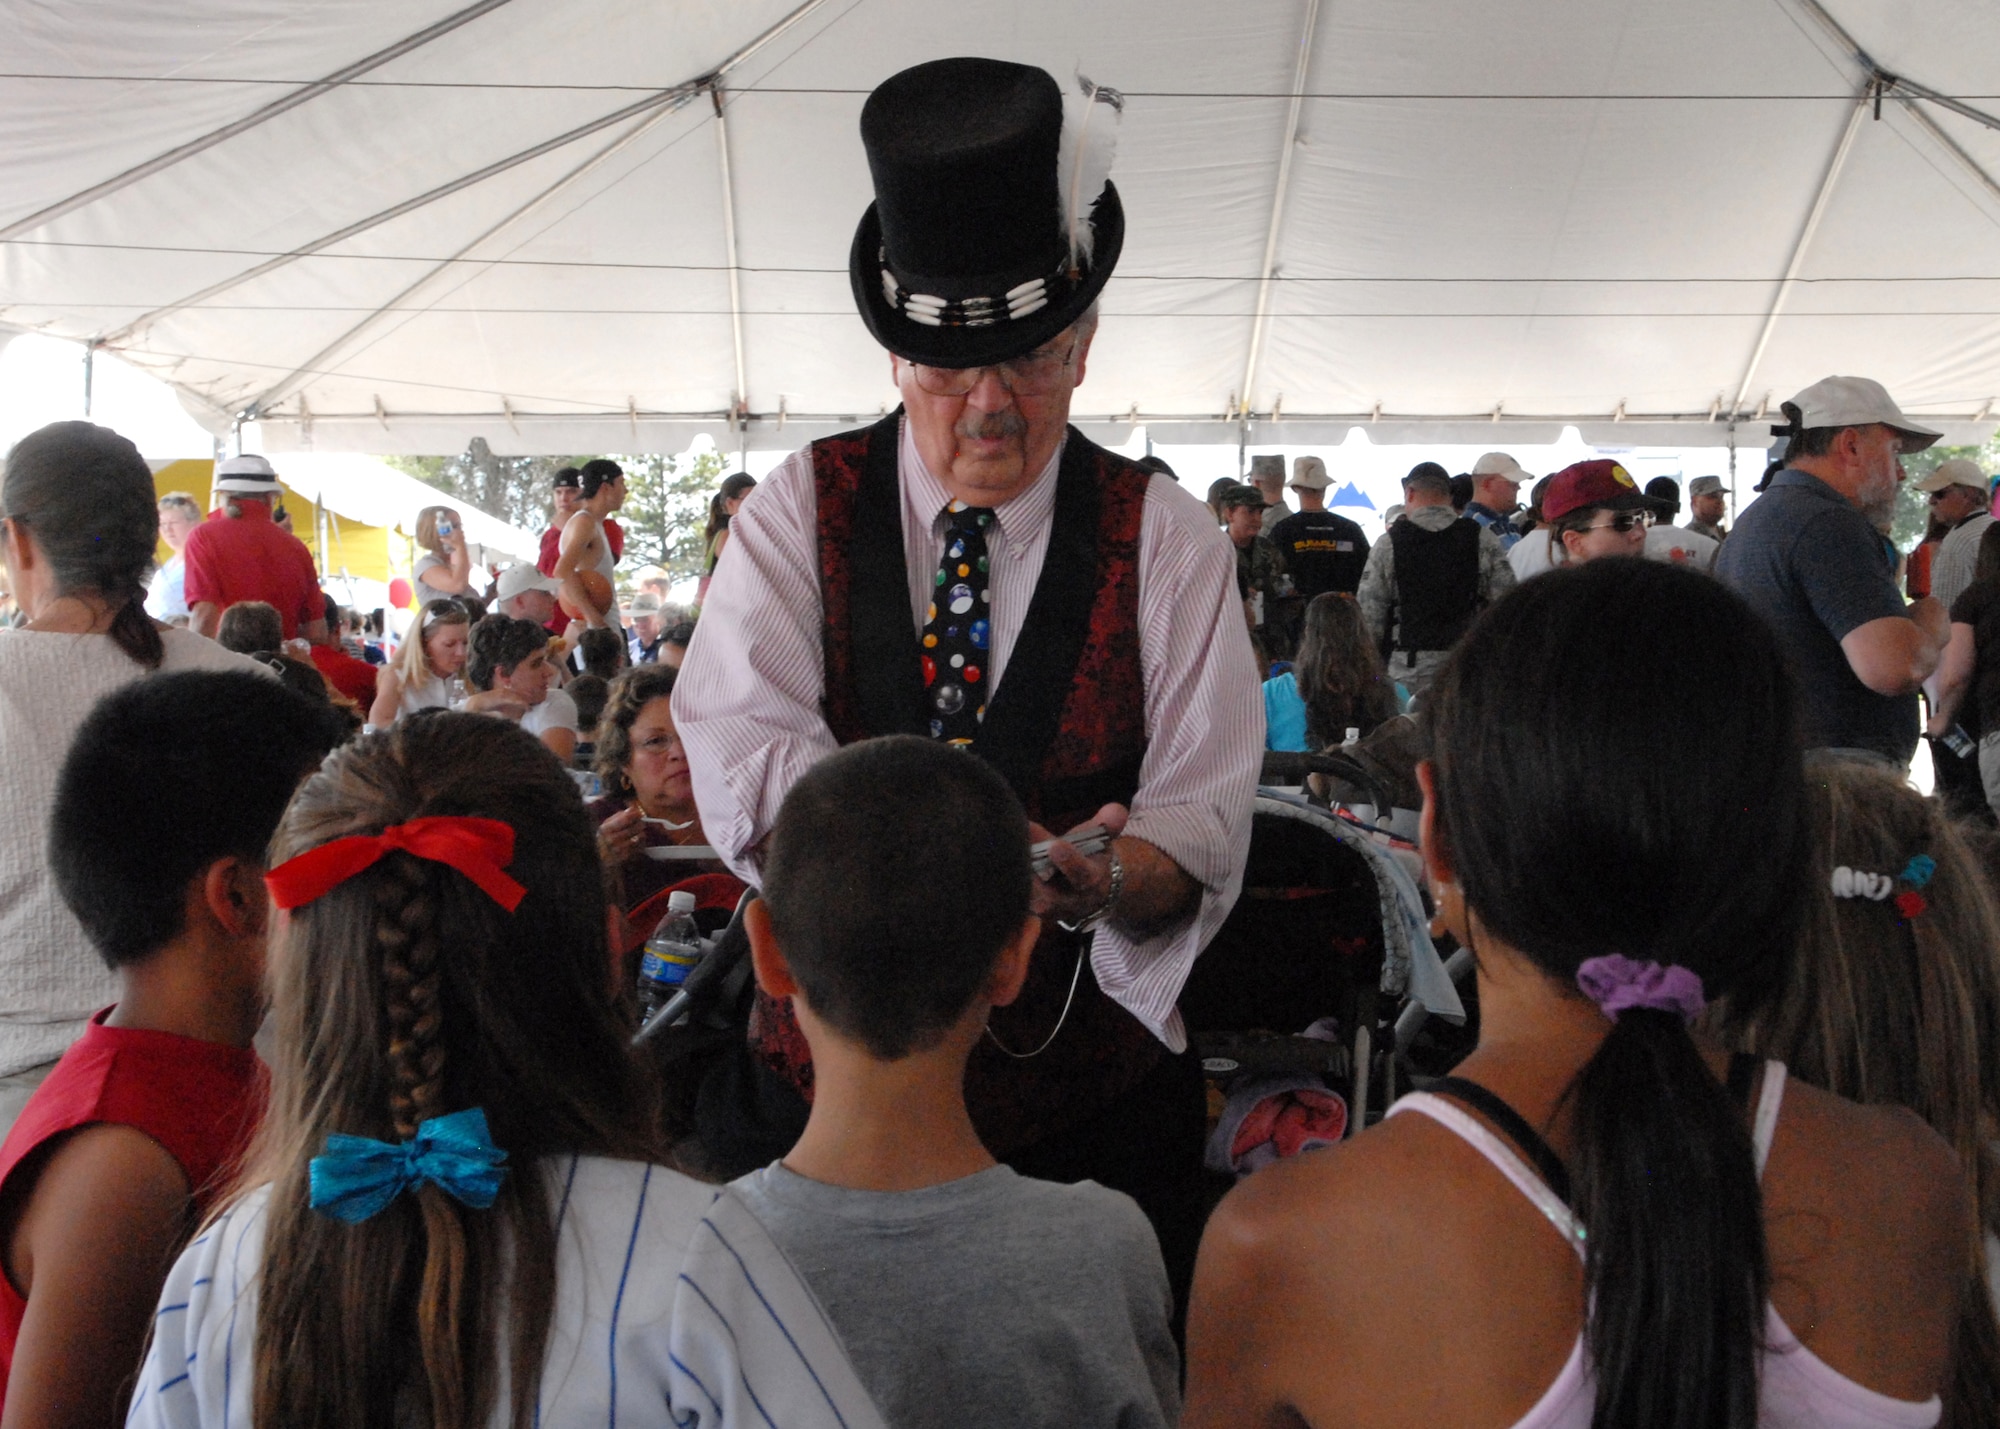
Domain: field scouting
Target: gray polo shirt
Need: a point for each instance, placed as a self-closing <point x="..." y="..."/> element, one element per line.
<point x="1811" y="565"/>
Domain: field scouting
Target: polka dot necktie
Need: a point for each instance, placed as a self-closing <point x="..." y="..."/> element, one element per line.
<point x="957" y="629"/>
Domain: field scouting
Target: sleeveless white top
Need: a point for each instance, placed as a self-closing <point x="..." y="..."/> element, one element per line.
<point x="1797" y="1389"/>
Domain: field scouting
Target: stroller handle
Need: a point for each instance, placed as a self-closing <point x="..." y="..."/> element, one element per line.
<point x="1287" y="767"/>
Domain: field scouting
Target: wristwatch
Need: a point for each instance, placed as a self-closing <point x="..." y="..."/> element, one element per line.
<point x="1091" y="922"/>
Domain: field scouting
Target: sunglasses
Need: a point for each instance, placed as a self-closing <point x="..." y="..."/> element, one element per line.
<point x="1624" y="521"/>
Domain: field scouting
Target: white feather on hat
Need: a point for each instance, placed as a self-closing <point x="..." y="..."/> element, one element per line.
<point x="1084" y="156"/>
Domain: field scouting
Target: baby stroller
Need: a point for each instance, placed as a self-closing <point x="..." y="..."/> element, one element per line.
<point x="1325" y="967"/>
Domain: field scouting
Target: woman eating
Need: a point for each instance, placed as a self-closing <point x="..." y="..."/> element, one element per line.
<point x="648" y="792"/>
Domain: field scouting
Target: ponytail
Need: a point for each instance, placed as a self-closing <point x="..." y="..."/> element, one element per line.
<point x="135" y="632"/>
<point x="1665" y="1180"/>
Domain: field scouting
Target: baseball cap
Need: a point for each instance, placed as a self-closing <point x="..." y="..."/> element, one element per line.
<point x="1429" y="474"/>
<point x="245" y="473"/>
<point x="1666" y="491"/>
<point x="1499" y="464"/>
<point x="644" y="603"/>
<point x="1959" y="471"/>
<point x="1240" y="495"/>
<point x="516" y="580"/>
<point x="1705" y="486"/>
<point x="1856" y="402"/>
<point x="568" y="476"/>
<point x="1310" y="472"/>
<point x="1594" y="483"/>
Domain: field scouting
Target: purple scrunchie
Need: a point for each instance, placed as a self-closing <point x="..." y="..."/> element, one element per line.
<point x="1615" y="983"/>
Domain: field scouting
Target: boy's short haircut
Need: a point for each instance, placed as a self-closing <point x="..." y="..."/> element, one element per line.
<point x="898" y="870"/>
<point x="250" y="627"/>
<point x="165" y="777"/>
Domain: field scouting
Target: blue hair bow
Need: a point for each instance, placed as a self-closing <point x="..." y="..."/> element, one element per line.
<point x="359" y="1176"/>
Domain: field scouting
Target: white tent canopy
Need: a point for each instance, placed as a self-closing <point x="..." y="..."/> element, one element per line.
<point x="375" y="226"/>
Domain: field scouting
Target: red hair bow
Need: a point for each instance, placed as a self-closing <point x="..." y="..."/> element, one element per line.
<point x="478" y="848"/>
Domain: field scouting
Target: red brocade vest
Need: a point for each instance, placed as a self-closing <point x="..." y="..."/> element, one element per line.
<point x="1066" y="726"/>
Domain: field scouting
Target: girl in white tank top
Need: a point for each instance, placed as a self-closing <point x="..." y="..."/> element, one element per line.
<point x="1616" y="826"/>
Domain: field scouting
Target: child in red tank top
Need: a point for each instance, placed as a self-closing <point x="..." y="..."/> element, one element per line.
<point x="166" y="801"/>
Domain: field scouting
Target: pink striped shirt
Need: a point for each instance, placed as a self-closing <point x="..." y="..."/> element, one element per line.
<point x="747" y="703"/>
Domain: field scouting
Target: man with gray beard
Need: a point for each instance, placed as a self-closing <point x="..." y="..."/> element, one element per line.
<point x="1811" y="558"/>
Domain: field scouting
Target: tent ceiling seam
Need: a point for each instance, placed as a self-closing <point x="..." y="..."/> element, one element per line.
<point x="283" y="104"/>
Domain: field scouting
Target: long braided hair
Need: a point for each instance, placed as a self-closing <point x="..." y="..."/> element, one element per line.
<point x="405" y="994"/>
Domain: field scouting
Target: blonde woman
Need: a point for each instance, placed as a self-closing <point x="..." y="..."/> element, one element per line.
<point x="431" y="658"/>
<point x="445" y="568"/>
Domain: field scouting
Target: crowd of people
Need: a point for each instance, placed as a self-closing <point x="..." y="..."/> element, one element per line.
<point x="321" y="1099"/>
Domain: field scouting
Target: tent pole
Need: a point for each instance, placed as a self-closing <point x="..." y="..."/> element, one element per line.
<point x="89" y="363"/>
<point x="740" y="402"/>
<point x="1951" y="146"/>
<point x="1811" y="226"/>
<point x="1299" y="76"/>
<point x="672" y="98"/>
<point x="250" y="121"/>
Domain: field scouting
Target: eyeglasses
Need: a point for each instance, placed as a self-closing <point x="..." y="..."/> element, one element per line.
<point x="1035" y="375"/>
<point x="1624" y="521"/>
<point x="661" y="745"/>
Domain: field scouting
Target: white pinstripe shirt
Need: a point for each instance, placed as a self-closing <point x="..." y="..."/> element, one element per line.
<point x="673" y="1306"/>
<point x="747" y="703"/>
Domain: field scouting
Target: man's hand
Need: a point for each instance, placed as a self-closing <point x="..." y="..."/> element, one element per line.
<point x="1156" y="894"/>
<point x="1078" y="884"/>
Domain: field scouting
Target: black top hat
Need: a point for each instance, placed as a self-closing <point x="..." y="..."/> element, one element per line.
<point x="962" y="260"/>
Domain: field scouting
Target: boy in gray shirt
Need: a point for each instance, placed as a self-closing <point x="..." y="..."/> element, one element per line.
<point x="895" y="914"/>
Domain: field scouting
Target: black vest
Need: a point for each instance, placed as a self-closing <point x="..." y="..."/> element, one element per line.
<point x="1437" y="583"/>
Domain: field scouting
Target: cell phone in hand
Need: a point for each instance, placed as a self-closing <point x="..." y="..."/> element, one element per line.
<point x="1089" y="840"/>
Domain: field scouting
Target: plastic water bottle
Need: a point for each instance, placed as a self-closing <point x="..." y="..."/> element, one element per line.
<point x="455" y="693"/>
<point x="671" y="954"/>
<point x="1353" y="737"/>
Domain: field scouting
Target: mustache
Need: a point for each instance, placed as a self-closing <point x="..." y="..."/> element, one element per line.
<point x="991" y="426"/>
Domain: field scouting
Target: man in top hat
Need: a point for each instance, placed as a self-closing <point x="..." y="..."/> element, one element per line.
<point x="974" y="570"/>
<point x="1267" y="474"/>
<point x="1957" y="491"/>
<point x="1322" y="551"/>
<point x="1496" y="495"/>
<point x="1707" y="505"/>
<point x="1428" y="576"/>
<point x="1809" y="556"/>
<point x="239" y="554"/>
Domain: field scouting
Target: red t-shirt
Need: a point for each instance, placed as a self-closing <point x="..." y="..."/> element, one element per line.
<point x="199" y="1100"/>
<point x="247" y="557"/>
<point x="353" y="678"/>
<point x="552" y="545"/>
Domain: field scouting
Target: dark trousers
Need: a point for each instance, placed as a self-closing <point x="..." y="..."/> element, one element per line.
<point x="1147" y="1143"/>
<point x="1957" y="782"/>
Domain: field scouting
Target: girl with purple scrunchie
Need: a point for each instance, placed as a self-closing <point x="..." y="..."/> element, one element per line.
<point x="1601" y="1218"/>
